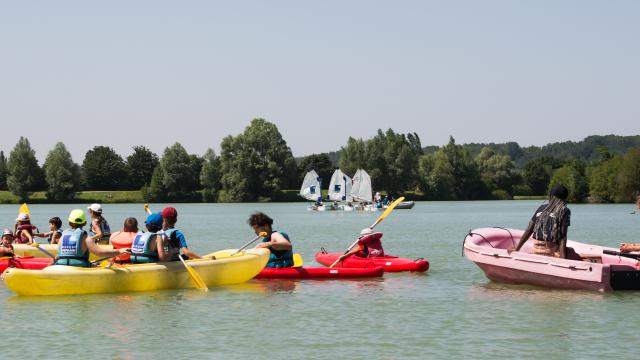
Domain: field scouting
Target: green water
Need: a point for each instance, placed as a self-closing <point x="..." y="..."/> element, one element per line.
<point x="453" y="311"/>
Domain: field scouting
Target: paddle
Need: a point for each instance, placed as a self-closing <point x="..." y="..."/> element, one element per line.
<point x="37" y="246"/>
<point x="382" y="217"/>
<point x="24" y="209"/>
<point x="297" y="260"/>
<point x="617" y="253"/>
<point x="262" y="234"/>
<point x="197" y="280"/>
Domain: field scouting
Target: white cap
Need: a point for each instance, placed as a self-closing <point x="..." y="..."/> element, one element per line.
<point x="23" y="217"/>
<point x="7" y="232"/>
<point x="95" y="208"/>
<point x="366" y="231"/>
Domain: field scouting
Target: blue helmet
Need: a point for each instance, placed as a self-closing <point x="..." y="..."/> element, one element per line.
<point x="154" y="220"/>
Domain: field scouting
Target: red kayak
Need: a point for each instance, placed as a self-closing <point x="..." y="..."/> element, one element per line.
<point x="319" y="273"/>
<point x="26" y="262"/>
<point x="388" y="263"/>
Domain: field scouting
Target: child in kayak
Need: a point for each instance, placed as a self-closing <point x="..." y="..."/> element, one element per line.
<point x="369" y="245"/>
<point x="277" y="242"/>
<point x="24" y="230"/>
<point x="100" y="230"/>
<point x="124" y="238"/>
<point x="150" y="247"/>
<point x="6" y="246"/>
<point x="55" y="231"/>
<point x="175" y="237"/>
<point x="76" y="245"/>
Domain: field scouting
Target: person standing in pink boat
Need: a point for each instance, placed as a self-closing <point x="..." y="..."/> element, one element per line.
<point x="549" y="226"/>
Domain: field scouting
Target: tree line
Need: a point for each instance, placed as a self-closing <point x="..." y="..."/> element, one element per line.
<point x="258" y="165"/>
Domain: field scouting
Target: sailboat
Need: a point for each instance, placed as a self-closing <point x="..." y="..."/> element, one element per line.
<point x="340" y="189"/>
<point x="361" y="191"/>
<point x="310" y="190"/>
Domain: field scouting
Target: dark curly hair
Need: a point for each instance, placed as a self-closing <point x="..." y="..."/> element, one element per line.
<point x="259" y="219"/>
<point x="56" y="222"/>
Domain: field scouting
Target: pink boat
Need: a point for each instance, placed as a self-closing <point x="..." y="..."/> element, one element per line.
<point x="487" y="247"/>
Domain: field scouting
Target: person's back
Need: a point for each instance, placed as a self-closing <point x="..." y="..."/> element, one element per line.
<point x="124" y="239"/>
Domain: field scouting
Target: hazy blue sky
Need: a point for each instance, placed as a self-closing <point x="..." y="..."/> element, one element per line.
<point x="124" y="73"/>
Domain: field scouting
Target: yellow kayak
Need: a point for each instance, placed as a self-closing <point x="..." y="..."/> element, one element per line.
<point x="67" y="280"/>
<point x="28" y="250"/>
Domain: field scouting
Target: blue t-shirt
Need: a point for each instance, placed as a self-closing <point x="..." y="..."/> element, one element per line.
<point x="181" y="239"/>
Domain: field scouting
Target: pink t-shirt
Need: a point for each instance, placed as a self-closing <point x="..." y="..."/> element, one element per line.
<point x="372" y="244"/>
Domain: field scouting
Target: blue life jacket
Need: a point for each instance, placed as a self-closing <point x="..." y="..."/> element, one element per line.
<point x="140" y="251"/>
<point x="70" y="249"/>
<point x="279" y="258"/>
<point x="59" y="231"/>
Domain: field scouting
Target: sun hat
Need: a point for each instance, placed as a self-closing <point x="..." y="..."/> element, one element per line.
<point x="95" y="208"/>
<point x="7" y="232"/>
<point x="366" y="231"/>
<point x="23" y="217"/>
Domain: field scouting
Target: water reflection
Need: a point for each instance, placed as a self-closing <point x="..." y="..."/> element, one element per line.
<point x="500" y="291"/>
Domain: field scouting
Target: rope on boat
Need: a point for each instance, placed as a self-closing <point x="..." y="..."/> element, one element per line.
<point x="510" y="234"/>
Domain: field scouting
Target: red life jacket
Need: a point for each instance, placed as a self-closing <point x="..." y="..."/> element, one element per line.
<point x="370" y="245"/>
<point x="122" y="240"/>
<point x="21" y="230"/>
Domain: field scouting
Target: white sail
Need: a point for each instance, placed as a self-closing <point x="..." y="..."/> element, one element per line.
<point x="361" y="190"/>
<point x="340" y="187"/>
<point x="310" y="189"/>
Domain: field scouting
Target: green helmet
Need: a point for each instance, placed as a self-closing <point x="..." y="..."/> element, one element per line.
<point x="77" y="217"/>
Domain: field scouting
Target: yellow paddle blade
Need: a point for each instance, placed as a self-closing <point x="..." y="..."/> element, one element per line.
<point x="146" y="208"/>
<point x="197" y="280"/>
<point x="297" y="260"/>
<point x="24" y="209"/>
<point x="388" y="211"/>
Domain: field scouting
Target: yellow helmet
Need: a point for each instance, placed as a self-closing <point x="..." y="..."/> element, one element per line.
<point x="77" y="217"/>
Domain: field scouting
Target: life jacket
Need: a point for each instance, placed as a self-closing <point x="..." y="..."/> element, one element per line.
<point x="279" y="258"/>
<point x="70" y="249"/>
<point x="370" y="245"/>
<point x="105" y="229"/>
<point x="140" y="251"/>
<point x="122" y="240"/>
<point x="59" y="231"/>
<point x="173" y="242"/>
<point x="20" y="238"/>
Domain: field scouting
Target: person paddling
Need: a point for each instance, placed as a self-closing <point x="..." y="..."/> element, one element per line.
<point x="55" y="231"/>
<point x="75" y="246"/>
<point x="549" y="226"/>
<point x="124" y="238"/>
<point x="369" y="245"/>
<point x="6" y="246"/>
<point x="100" y="230"/>
<point x="277" y="242"/>
<point x="176" y="237"/>
<point x="150" y="247"/>
<point x="24" y="230"/>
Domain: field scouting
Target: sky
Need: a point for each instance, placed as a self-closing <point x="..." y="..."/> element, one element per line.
<point x="127" y="73"/>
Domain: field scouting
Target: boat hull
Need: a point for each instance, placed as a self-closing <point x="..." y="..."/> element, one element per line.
<point x="487" y="248"/>
<point x="320" y="273"/>
<point x="28" y="250"/>
<point x="67" y="280"/>
<point x="388" y="263"/>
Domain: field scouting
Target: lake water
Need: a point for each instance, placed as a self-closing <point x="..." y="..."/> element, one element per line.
<point x="452" y="311"/>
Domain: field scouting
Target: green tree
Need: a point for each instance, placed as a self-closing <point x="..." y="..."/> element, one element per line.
<point x="24" y="174"/>
<point x="140" y="165"/>
<point x="3" y="171"/>
<point x="321" y="163"/>
<point x="603" y="179"/>
<point x="629" y="176"/>
<point x="353" y="156"/>
<point x="173" y="178"/>
<point x="210" y="176"/>
<point x="62" y="174"/>
<point x="537" y="173"/>
<point x="104" y="169"/>
<point x="257" y="163"/>
<point x="451" y="174"/>
<point x="497" y="172"/>
<point x="572" y="175"/>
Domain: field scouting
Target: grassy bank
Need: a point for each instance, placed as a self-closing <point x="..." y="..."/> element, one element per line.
<point x="104" y="197"/>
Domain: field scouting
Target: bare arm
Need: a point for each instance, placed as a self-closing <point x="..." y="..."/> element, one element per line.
<point x="99" y="251"/>
<point x="525" y="236"/>
<point x="96" y="229"/>
<point x="278" y="242"/>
